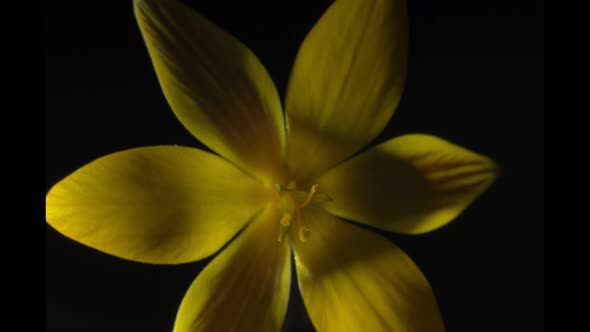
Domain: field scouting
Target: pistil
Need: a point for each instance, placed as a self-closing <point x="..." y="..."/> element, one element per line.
<point x="292" y="204"/>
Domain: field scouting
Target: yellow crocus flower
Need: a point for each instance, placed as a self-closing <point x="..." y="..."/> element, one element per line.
<point x="280" y="183"/>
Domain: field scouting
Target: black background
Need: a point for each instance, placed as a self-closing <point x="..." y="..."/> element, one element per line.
<point x="475" y="78"/>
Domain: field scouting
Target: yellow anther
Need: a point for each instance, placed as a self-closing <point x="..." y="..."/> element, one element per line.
<point x="310" y="196"/>
<point x="286" y="220"/>
<point x="285" y="226"/>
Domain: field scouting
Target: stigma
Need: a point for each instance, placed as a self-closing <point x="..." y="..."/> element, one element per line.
<point x="291" y="203"/>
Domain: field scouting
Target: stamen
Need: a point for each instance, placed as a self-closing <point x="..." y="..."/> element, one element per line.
<point x="310" y="196"/>
<point x="288" y="203"/>
<point x="303" y="230"/>
<point x="285" y="226"/>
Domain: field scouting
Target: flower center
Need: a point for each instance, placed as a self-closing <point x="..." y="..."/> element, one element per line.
<point x="291" y="202"/>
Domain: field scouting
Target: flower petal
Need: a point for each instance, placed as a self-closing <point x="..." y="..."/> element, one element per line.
<point x="346" y="82"/>
<point x="245" y="288"/>
<point x="352" y="279"/>
<point x="215" y="85"/>
<point x="411" y="184"/>
<point x="163" y="204"/>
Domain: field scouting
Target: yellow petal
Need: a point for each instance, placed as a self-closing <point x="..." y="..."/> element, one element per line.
<point x="411" y="184"/>
<point x="215" y="85"/>
<point x="245" y="288"/>
<point x="346" y="82"/>
<point x="164" y="204"/>
<point x="352" y="279"/>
